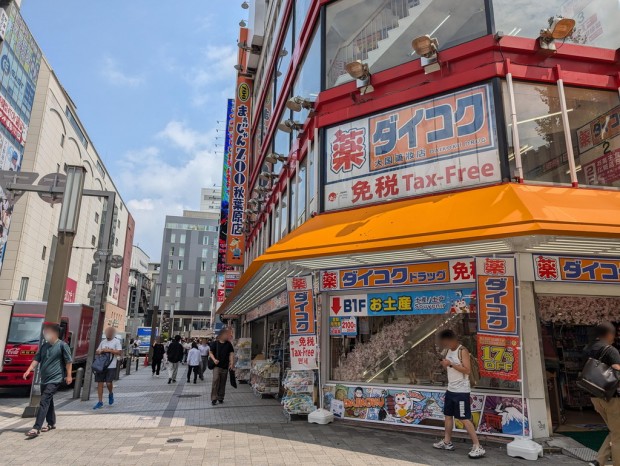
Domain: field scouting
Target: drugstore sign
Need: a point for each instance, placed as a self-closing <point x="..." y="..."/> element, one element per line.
<point x="576" y="269"/>
<point x="496" y="289"/>
<point x="389" y="276"/>
<point x="444" y="143"/>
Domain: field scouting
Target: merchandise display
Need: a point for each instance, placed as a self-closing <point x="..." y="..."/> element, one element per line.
<point x="299" y="393"/>
<point x="265" y="377"/>
<point x="243" y="364"/>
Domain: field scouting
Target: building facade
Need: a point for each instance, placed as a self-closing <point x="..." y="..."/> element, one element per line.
<point x="431" y="164"/>
<point x="187" y="272"/>
<point x="37" y="102"/>
<point x="210" y="200"/>
<point x="140" y="287"/>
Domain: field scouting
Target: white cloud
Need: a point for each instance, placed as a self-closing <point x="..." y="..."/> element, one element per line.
<point x="111" y="71"/>
<point x="216" y="70"/>
<point x="159" y="182"/>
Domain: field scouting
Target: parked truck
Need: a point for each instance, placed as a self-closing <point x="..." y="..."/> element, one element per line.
<point x="25" y="332"/>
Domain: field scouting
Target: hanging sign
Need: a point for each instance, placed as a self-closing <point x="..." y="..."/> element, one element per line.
<point x="497" y="307"/>
<point x="400" y="303"/>
<point x="304" y="353"/>
<point x="576" y="269"/>
<point x="301" y="305"/>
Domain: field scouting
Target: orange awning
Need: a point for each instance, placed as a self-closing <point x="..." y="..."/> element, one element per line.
<point x="489" y="213"/>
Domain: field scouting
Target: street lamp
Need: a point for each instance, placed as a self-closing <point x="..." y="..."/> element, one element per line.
<point x="72" y="200"/>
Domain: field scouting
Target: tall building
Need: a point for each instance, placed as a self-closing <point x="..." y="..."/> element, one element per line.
<point x="187" y="272"/>
<point x="40" y="132"/>
<point x="433" y="164"/>
<point x="140" y="287"/>
<point x="210" y="200"/>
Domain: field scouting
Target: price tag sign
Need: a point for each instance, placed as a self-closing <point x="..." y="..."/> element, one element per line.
<point x="343" y="326"/>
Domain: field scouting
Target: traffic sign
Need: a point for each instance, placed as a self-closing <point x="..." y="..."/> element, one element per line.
<point x="10" y="177"/>
<point x="116" y="262"/>
<point x="53" y="180"/>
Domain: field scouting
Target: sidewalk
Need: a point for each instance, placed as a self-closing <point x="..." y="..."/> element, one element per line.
<point x="155" y="423"/>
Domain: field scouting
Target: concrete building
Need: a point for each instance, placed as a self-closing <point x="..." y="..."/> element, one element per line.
<point x="140" y="287"/>
<point x="210" y="200"/>
<point x="187" y="273"/>
<point x="467" y="180"/>
<point x="55" y="137"/>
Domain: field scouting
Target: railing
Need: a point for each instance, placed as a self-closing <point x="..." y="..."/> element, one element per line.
<point x="369" y="35"/>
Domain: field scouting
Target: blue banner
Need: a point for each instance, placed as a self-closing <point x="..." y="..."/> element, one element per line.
<point x="398" y="303"/>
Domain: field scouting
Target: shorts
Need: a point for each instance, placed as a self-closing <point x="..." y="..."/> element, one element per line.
<point x="457" y="405"/>
<point x="106" y="376"/>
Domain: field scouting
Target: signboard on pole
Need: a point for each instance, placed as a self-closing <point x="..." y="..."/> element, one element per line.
<point x="225" y="205"/>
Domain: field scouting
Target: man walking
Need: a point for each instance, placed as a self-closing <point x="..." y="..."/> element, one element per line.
<point x="603" y="350"/>
<point x="457" y="399"/>
<point x="112" y="346"/>
<point x="54" y="357"/>
<point x="175" y="355"/>
<point x="158" y="357"/>
<point x="204" y="356"/>
<point x="223" y="356"/>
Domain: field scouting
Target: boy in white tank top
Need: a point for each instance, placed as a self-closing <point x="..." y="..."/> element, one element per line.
<point x="457" y="400"/>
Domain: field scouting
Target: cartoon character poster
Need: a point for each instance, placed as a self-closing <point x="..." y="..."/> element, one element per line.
<point x="493" y="415"/>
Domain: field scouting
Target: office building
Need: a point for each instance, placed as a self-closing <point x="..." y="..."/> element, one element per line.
<point x="140" y="287"/>
<point x="210" y="200"/>
<point x="433" y="164"/>
<point x="187" y="272"/>
<point x="41" y="132"/>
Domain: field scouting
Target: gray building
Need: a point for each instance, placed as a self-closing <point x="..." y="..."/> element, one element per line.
<point x="188" y="265"/>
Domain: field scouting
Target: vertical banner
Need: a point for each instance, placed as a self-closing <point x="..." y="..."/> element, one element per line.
<point x="230" y="120"/>
<point x="221" y="290"/>
<point x="498" y="318"/>
<point x="301" y="305"/>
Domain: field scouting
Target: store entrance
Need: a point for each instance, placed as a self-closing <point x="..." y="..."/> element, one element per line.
<point x="567" y="327"/>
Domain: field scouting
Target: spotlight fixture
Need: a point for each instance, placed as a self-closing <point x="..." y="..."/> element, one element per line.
<point x="239" y="67"/>
<point x="267" y="176"/>
<point x="250" y="212"/>
<point x="245" y="5"/>
<point x="427" y="46"/>
<point x="253" y="201"/>
<point x="361" y="73"/>
<point x="289" y="126"/>
<point x="283" y="53"/>
<point x="242" y="23"/>
<point x="559" y="29"/>
<point x="296" y="104"/>
<point x="275" y="158"/>
<point x="261" y="190"/>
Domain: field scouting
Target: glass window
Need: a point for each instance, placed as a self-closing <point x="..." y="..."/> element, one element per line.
<point x="268" y="107"/>
<point x="182" y="238"/>
<point x="301" y="11"/>
<point x="594" y="118"/>
<point x="311" y="172"/>
<point x="203" y="279"/>
<point x="181" y="251"/>
<point x="167" y="291"/>
<point x="284" y="214"/>
<point x="541" y="134"/>
<point x="597" y="21"/>
<point x="201" y="293"/>
<point x="203" y="266"/>
<point x="205" y="253"/>
<point x="308" y="81"/>
<point x="282" y="141"/>
<point x="403" y="350"/>
<point x="177" y="292"/>
<point x="179" y="279"/>
<point x="180" y="265"/>
<point x="283" y="60"/>
<point x="170" y="264"/>
<point x="205" y="240"/>
<point x="301" y="193"/>
<point x="173" y="238"/>
<point x="276" y="224"/>
<point x="168" y="278"/>
<point x="379" y="32"/>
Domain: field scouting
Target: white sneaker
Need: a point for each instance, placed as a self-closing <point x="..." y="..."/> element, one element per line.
<point x="476" y="452"/>
<point x="443" y="445"/>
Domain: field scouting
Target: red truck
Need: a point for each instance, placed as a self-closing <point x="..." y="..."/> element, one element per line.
<point x="25" y="332"/>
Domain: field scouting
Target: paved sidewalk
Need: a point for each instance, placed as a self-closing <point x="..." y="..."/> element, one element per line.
<point x="154" y="423"/>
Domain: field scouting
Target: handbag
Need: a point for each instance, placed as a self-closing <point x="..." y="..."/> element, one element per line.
<point x="210" y="363"/>
<point x="102" y="362"/>
<point x="597" y="378"/>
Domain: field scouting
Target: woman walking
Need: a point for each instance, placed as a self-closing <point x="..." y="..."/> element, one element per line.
<point x="193" y="362"/>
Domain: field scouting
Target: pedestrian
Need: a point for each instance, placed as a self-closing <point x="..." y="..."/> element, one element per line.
<point x="54" y="358"/>
<point x="110" y="344"/>
<point x="175" y="354"/>
<point x="204" y="356"/>
<point x="603" y="350"/>
<point x="158" y="356"/>
<point x="186" y="347"/>
<point x="222" y="354"/>
<point x="457" y="403"/>
<point x="193" y="362"/>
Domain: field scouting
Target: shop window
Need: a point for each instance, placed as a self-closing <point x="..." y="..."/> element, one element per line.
<point x="541" y="134"/>
<point x="595" y="130"/>
<point x="597" y="21"/>
<point x="379" y="32"/>
<point x="308" y="81"/>
<point x="403" y="350"/>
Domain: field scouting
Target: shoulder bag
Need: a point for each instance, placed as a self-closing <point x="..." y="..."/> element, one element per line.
<point x="597" y="378"/>
<point x="210" y="363"/>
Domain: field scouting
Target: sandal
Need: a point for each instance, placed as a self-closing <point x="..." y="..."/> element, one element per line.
<point x="47" y="428"/>
<point x="32" y="433"/>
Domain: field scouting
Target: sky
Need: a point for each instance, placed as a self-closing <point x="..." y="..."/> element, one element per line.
<point x="150" y="80"/>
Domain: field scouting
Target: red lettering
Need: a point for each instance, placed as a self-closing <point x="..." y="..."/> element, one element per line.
<point x="473" y="172"/>
<point x="487" y="170"/>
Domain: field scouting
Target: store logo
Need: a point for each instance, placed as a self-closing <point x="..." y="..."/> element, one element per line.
<point x="332" y="197"/>
<point x="244" y="92"/>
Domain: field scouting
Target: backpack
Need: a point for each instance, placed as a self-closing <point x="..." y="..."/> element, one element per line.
<point x="102" y="362"/>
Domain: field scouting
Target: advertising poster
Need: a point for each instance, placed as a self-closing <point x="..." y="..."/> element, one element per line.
<point x="577" y="269"/>
<point x="444" y="143"/>
<point x="497" y="306"/>
<point x="498" y="357"/>
<point x="220" y="291"/>
<point x="343" y="326"/>
<point x="230" y="118"/>
<point x="70" y="291"/>
<point x="303" y="353"/>
<point x="494" y="415"/>
<point x="461" y="301"/>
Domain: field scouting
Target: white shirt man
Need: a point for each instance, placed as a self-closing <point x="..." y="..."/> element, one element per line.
<point x="204" y="356"/>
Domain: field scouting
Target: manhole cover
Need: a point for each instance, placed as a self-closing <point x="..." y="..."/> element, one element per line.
<point x="189" y="396"/>
<point x="174" y="440"/>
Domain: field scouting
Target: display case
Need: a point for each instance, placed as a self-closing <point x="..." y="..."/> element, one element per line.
<point x="243" y="356"/>
<point x="265" y="377"/>
<point x="299" y="393"/>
